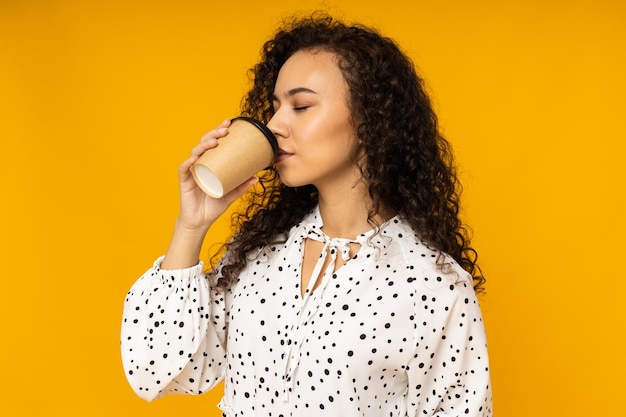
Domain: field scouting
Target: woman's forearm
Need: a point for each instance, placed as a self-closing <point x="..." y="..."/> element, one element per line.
<point x="184" y="248"/>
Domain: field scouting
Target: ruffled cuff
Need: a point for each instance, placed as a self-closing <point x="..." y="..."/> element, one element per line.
<point x="184" y="274"/>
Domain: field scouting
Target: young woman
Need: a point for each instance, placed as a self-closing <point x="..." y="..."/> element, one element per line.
<point x="349" y="287"/>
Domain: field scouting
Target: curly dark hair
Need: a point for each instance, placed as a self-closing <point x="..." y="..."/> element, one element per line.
<point x="408" y="164"/>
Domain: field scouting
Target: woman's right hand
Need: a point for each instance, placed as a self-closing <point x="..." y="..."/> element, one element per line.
<point x="198" y="210"/>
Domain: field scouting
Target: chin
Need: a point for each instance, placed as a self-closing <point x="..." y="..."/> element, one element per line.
<point x="290" y="181"/>
<point x="294" y="184"/>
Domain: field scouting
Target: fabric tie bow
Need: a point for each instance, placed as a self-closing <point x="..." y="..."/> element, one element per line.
<point x="311" y="304"/>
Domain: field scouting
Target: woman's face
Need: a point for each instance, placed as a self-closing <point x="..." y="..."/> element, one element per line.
<point x="312" y="123"/>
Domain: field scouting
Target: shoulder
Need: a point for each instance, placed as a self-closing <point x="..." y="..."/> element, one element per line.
<point x="420" y="265"/>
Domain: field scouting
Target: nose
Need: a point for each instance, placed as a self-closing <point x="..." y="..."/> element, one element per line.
<point x="278" y="126"/>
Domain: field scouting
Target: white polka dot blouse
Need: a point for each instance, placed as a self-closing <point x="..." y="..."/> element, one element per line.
<point x="386" y="334"/>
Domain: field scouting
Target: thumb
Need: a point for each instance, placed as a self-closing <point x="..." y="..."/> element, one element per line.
<point x="240" y="190"/>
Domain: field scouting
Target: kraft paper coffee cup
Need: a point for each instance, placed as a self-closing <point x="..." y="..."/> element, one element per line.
<point x="249" y="147"/>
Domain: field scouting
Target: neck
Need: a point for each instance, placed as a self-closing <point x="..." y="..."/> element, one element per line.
<point x="345" y="211"/>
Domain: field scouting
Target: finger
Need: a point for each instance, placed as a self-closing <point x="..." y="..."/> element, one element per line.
<point x="214" y="134"/>
<point x="220" y="131"/>
<point x="209" y="139"/>
<point x="203" y="146"/>
<point x="225" y="123"/>
<point x="184" y="170"/>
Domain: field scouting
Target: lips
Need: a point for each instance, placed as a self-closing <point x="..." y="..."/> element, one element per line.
<point x="282" y="155"/>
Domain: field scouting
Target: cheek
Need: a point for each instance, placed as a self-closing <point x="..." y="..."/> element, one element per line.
<point x="332" y="125"/>
<point x="313" y="127"/>
<point x="314" y="136"/>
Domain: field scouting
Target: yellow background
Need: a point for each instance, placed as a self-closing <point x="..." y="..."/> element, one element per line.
<point x="100" y="102"/>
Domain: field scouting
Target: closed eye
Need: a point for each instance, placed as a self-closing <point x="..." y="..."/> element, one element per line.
<point x="301" y="108"/>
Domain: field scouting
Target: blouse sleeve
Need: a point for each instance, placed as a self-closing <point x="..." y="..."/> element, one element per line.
<point x="173" y="333"/>
<point x="449" y="371"/>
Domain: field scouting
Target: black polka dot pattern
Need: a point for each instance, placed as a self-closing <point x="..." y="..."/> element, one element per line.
<point x="386" y="334"/>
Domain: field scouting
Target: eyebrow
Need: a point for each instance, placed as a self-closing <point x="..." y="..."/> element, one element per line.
<point x="293" y="92"/>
